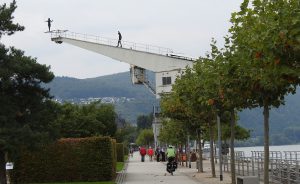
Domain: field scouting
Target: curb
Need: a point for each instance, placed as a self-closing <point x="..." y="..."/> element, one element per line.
<point x="122" y="174"/>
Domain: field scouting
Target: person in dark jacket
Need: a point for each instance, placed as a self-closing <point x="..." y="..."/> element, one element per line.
<point x="120" y="38"/>
<point x="157" y="153"/>
<point x="49" y="23"/>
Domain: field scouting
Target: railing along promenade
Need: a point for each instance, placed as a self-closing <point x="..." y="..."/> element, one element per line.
<point x="284" y="167"/>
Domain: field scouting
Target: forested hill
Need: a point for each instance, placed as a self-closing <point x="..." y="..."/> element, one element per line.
<point x="130" y="100"/>
<point x="136" y="100"/>
<point x="116" y="85"/>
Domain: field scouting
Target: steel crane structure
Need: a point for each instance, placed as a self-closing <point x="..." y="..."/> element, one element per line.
<point x="165" y="64"/>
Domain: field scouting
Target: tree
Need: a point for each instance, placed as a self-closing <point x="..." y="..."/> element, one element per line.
<point x="26" y="116"/>
<point x="6" y="20"/>
<point x="126" y="134"/>
<point x="266" y="41"/>
<point x="87" y="120"/>
<point x="172" y="132"/>
<point x="146" y="137"/>
<point x="144" y="122"/>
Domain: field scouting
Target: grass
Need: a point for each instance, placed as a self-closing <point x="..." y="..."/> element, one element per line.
<point x="120" y="166"/>
<point x="102" y="182"/>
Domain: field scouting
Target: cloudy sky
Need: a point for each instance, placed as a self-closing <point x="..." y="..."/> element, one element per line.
<point x="186" y="26"/>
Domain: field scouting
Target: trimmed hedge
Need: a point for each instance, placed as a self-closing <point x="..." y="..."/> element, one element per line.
<point x="120" y="152"/>
<point x="69" y="160"/>
<point x="126" y="150"/>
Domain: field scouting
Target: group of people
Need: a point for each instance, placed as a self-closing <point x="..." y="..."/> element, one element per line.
<point x="160" y="153"/>
<point x="144" y="152"/>
<point x="49" y="21"/>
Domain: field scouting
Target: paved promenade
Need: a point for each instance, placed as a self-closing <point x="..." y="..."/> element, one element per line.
<point x="152" y="172"/>
<point x="155" y="172"/>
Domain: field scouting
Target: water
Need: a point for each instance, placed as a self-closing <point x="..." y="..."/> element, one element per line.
<point x="248" y="150"/>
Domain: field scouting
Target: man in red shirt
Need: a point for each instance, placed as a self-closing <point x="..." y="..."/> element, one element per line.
<point x="150" y="153"/>
<point x="143" y="153"/>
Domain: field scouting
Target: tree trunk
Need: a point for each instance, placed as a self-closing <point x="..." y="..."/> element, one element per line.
<point x="232" y="136"/>
<point x="200" y="160"/>
<point x="215" y="148"/>
<point x="2" y="168"/>
<point x="186" y="155"/>
<point x="266" y="143"/>
<point x="212" y="163"/>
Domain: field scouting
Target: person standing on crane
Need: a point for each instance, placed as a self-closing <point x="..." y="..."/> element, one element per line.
<point x="120" y="38"/>
<point x="49" y="23"/>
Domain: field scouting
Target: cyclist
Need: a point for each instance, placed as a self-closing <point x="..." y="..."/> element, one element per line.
<point x="171" y="166"/>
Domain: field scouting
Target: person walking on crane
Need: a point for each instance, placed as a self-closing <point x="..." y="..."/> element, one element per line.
<point x="49" y="23"/>
<point x="120" y="38"/>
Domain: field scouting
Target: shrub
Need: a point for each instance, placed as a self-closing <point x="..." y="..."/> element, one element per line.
<point x="68" y="160"/>
<point x="120" y="152"/>
<point x="126" y="150"/>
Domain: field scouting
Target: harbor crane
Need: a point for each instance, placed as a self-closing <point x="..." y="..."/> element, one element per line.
<point x="165" y="64"/>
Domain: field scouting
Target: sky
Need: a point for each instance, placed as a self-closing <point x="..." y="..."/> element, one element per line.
<point x="185" y="26"/>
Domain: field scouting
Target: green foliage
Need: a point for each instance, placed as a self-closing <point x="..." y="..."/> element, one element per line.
<point x="6" y="19"/>
<point x="120" y="152"/>
<point x="87" y="120"/>
<point x="264" y="38"/>
<point x="172" y="132"/>
<point x="117" y="85"/>
<point x="27" y="115"/>
<point x="68" y="160"/>
<point x="103" y="182"/>
<point x="145" y="137"/>
<point x="126" y="134"/>
<point x="144" y="122"/>
<point x="120" y="166"/>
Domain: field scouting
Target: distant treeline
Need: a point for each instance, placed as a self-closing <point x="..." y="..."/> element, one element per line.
<point x="284" y="121"/>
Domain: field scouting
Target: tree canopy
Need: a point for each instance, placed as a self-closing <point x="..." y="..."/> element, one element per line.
<point x="87" y="120"/>
<point x="27" y="115"/>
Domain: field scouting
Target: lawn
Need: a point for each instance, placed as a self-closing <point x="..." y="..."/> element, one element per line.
<point x="120" y="166"/>
<point x="103" y="182"/>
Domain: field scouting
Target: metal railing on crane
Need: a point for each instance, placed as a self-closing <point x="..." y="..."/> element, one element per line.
<point x="56" y="34"/>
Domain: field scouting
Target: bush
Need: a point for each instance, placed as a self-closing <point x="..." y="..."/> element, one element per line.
<point x="120" y="152"/>
<point x="126" y="150"/>
<point x="68" y="160"/>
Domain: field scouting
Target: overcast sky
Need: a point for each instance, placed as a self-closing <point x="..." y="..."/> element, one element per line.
<point x="186" y="26"/>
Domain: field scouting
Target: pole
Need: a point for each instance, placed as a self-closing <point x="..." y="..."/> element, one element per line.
<point x="220" y="147"/>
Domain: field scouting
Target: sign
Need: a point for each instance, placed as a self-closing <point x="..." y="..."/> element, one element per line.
<point x="9" y="166"/>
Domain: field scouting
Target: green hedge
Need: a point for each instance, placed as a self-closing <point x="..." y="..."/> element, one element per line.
<point x="114" y="154"/>
<point x="126" y="150"/>
<point x="120" y="152"/>
<point x="68" y="160"/>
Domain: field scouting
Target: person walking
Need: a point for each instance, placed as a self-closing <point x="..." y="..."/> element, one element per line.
<point x="157" y="153"/>
<point x="120" y="38"/>
<point x="163" y="154"/>
<point x="131" y="152"/>
<point x="150" y="153"/>
<point x="143" y="153"/>
<point x="49" y="23"/>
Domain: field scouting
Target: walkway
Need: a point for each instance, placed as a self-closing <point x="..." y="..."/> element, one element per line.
<point x="153" y="172"/>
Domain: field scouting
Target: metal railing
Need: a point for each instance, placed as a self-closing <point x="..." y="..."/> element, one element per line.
<point x="283" y="168"/>
<point x="56" y="34"/>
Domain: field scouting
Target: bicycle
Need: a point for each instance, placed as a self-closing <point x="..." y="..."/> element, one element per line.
<point x="171" y="165"/>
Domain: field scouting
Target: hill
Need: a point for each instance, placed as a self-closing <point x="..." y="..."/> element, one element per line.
<point x="133" y="100"/>
<point x="130" y="100"/>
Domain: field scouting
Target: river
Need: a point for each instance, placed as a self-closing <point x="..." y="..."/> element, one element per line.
<point x="282" y="148"/>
